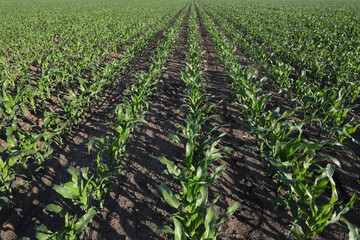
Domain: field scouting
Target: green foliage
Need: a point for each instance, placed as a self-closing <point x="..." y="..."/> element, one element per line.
<point x="73" y="229"/>
<point x="195" y="218"/>
<point x="76" y="57"/>
<point x="88" y="190"/>
<point x="292" y="159"/>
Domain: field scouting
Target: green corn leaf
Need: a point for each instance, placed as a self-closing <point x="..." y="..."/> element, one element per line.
<point x="13" y="157"/>
<point x="12" y="142"/>
<point x="166" y="229"/>
<point x="216" y="174"/>
<point x="67" y="190"/>
<point x="75" y="174"/>
<point x="54" y="208"/>
<point x="189" y="149"/>
<point x="42" y="233"/>
<point x="214" y="201"/>
<point x="176" y="138"/>
<point x="342" y="210"/>
<point x="169" y="196"/>
<point x="172" y="168"/>
<point x="324" y="213"/>
<point x="297" y="234"/>
<point x="202" y="197"/>
<point x="229" y="211"/>
<point x="210" y="222"/>
<point x="84" y="221"/>
<point x="179" y="231"/>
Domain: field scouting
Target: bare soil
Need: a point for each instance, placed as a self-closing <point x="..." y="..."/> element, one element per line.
<point x="26" y="211"/>
<point x="346" y="177"/>
<point x="136" y="208"/>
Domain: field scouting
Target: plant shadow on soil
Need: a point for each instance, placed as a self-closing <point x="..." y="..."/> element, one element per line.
<point x="21" y="219"/>
<point x="135" y="207"/>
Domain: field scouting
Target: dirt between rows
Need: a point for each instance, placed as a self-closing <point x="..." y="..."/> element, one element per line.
<point x="245" y="180"/>
<point x="136" y="207"/>
<point x="346" y="177"/>
<point x="133" y="210"/>
<point x="26" y="211"/>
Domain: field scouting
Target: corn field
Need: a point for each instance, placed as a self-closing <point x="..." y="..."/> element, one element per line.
<point x="188" y="119"/>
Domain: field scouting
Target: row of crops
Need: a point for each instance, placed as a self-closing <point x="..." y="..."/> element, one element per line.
<point x="57" y="66"/>
<point x="62" y="74"/>
<point x="299" y="56"/>
<point x="60" y="61"/>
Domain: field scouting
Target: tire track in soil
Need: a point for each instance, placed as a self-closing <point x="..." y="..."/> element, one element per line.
<point x="24" y="215"/>
<point x="245" y="180"/>
<point x="134" y="210"/>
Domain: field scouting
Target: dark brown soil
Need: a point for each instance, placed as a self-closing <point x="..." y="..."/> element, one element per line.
<point x="26" y="212"/>
<point x="346" y="178"/>
<point x="136" y="208"/>
<point x="245" y="180"/>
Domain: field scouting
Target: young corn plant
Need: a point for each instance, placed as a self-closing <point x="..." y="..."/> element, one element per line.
<point x="83" y="190"/>
<point x="74" y="227"/>
<point x="38" y="143"/>
<point x="281" y="73"/>
<point x="10" y="105"/>
<point x="87" y="190"/>
<point x="271" y="128"/>
<point x="8" y="172"/>
<point x="112" y="146"/>
<point x="292" y="158"/>
<point x="250" y="96"/>
<point x="191" y="200"/>
<point x="302" y="200"/>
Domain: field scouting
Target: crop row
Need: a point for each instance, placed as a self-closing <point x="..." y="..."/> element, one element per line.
<point x="190" y="197"/>
<point x="27" y="147"/>
<point x="326" y="108"/>
<point x="89" y="190"/>
<point x="291" y="158"/>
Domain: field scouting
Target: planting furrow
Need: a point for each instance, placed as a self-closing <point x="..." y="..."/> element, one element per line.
<point x="244" y="180"/>
<point x="133" y="209"/>
<point x="293" y="160"/>
<point x="88" y="192"/>
<point x="344" y="177"/>
<point x="72" y="153"/>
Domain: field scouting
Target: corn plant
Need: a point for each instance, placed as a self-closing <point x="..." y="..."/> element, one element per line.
<point x="282" y="74"/>
<point x="39" y="143"/>
<point x="191" y="200"/>
<point x="83" y="190"/>
<point x="292" y="158"/>
<point x="310" y="217"/>
<point x="73" y="228"/>
<point x="250" y="96"/>
<point x="8" y="174"/>
<point x="87" y="190"/>
<point x="10" y="105"/>
<point x="112" y="146"/>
